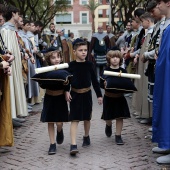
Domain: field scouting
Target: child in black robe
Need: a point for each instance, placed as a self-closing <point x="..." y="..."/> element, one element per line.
<point x="114" y="103"/>
<point x="55" y="109"/>
<point x="80" y="97"/>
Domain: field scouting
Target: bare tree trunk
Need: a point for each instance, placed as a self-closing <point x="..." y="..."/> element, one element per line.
<point x="93" y="25"/>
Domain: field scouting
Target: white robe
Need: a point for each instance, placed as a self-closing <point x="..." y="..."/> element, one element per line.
<point x="17" y="92"/>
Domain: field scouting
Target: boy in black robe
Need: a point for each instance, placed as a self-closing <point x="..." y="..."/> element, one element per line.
<point x="80" y="97"/>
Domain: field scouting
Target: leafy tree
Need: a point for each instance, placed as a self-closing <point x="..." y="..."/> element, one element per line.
<point x="43" y="10"/>
<point x="124" y="9"/>
<point x="91" y="6"/>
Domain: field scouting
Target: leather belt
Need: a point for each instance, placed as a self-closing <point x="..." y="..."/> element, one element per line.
<point x="113" y="95"/>
<point x="54" y="92"/>
<point x="84" y="90"/>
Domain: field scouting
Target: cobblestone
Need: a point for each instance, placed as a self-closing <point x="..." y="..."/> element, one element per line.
<point x="32" y="142"/>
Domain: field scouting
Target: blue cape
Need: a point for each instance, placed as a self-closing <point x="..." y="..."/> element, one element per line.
<point x="161" y="97"/>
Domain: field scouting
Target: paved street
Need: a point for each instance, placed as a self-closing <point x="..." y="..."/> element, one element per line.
<point x="31" y="147"/>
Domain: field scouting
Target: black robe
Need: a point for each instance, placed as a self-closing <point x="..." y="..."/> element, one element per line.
<point x="81" y="103"/>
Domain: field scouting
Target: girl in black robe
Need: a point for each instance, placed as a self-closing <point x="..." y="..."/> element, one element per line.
<point x="55" y="109"/>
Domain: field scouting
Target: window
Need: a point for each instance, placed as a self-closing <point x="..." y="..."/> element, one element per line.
<point x="100" y="13"/>
<point x="107" y="13"/>
<point x="63" y="19"/>
<point x="84" y="17"/>
<point x="83" y="2"/>
<point x="107" y="1"/>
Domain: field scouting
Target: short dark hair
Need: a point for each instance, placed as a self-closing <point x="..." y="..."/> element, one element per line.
<point x="38" y="23"/>
<point x="25" y="21"/>
<point x="51" y="24"/>
<point x="76" y="45"/>
<point x="147" y="15"/>
<point x="134" y="19"/>
<point x="138" y="12"/>
<point x="9" y="10"/>
<point x="2" y="9"/>
<point x="151" y="5"/>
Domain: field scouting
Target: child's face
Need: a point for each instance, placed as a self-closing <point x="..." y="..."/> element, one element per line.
<point x="145" y="23"/>
<point x="115" y="61"/>
<point x="55" y="59"/>
<point x="81" y="53"/>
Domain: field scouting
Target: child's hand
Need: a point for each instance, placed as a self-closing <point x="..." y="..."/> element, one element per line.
<point x="105" y="83"/>
<point x="68" y="96"/>
<point x="100" y="100"/>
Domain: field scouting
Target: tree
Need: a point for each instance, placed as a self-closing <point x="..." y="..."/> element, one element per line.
<point x="124" y="9"/>
<point x="43" y="10"/>
<point x="91" y="6"/>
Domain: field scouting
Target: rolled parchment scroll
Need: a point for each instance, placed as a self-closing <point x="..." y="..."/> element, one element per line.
<point x="119" y="74"/>
<point x="51" y="68"/>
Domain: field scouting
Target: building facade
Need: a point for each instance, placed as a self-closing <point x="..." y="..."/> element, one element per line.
<point x="102" y="14"/>
<point x="77" y="20"/>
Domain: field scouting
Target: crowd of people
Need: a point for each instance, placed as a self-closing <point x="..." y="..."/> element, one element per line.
<point x="142" y="49"/>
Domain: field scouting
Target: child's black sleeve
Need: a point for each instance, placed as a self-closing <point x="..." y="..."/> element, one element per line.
<point x="95" y="83"/>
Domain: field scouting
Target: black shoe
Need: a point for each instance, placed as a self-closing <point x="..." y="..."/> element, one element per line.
<point x="108" y="130"/>
<point x="52" y="149"/>
<point x="16" y="124"/>
<point x="60" y="137"/>
<point x="86" y="141"/>
<point x="119" y="140"/>
<point x="73" y="150"/>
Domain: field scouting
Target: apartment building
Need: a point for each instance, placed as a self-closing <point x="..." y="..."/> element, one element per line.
<point x="77" y="20"/>
<point x="102" y="14"/>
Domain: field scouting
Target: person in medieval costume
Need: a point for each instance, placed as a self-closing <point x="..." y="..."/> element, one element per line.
<point x="27" y="35"/>
<point x="65" y="48"/>
<point x="152" y="48"/>
<point x="100" y="44"/>
<point x="38" y="55"/>
<point x="52" y="39"/>
<point x="17" y="92"/>
<point x="161" y="96"/>
<point x="6" y="129"/>
<point x="143" y="108"/>
<point x="136" y="43"/>
<point x="111" y="36"/>
<point x="70" y="40"/>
